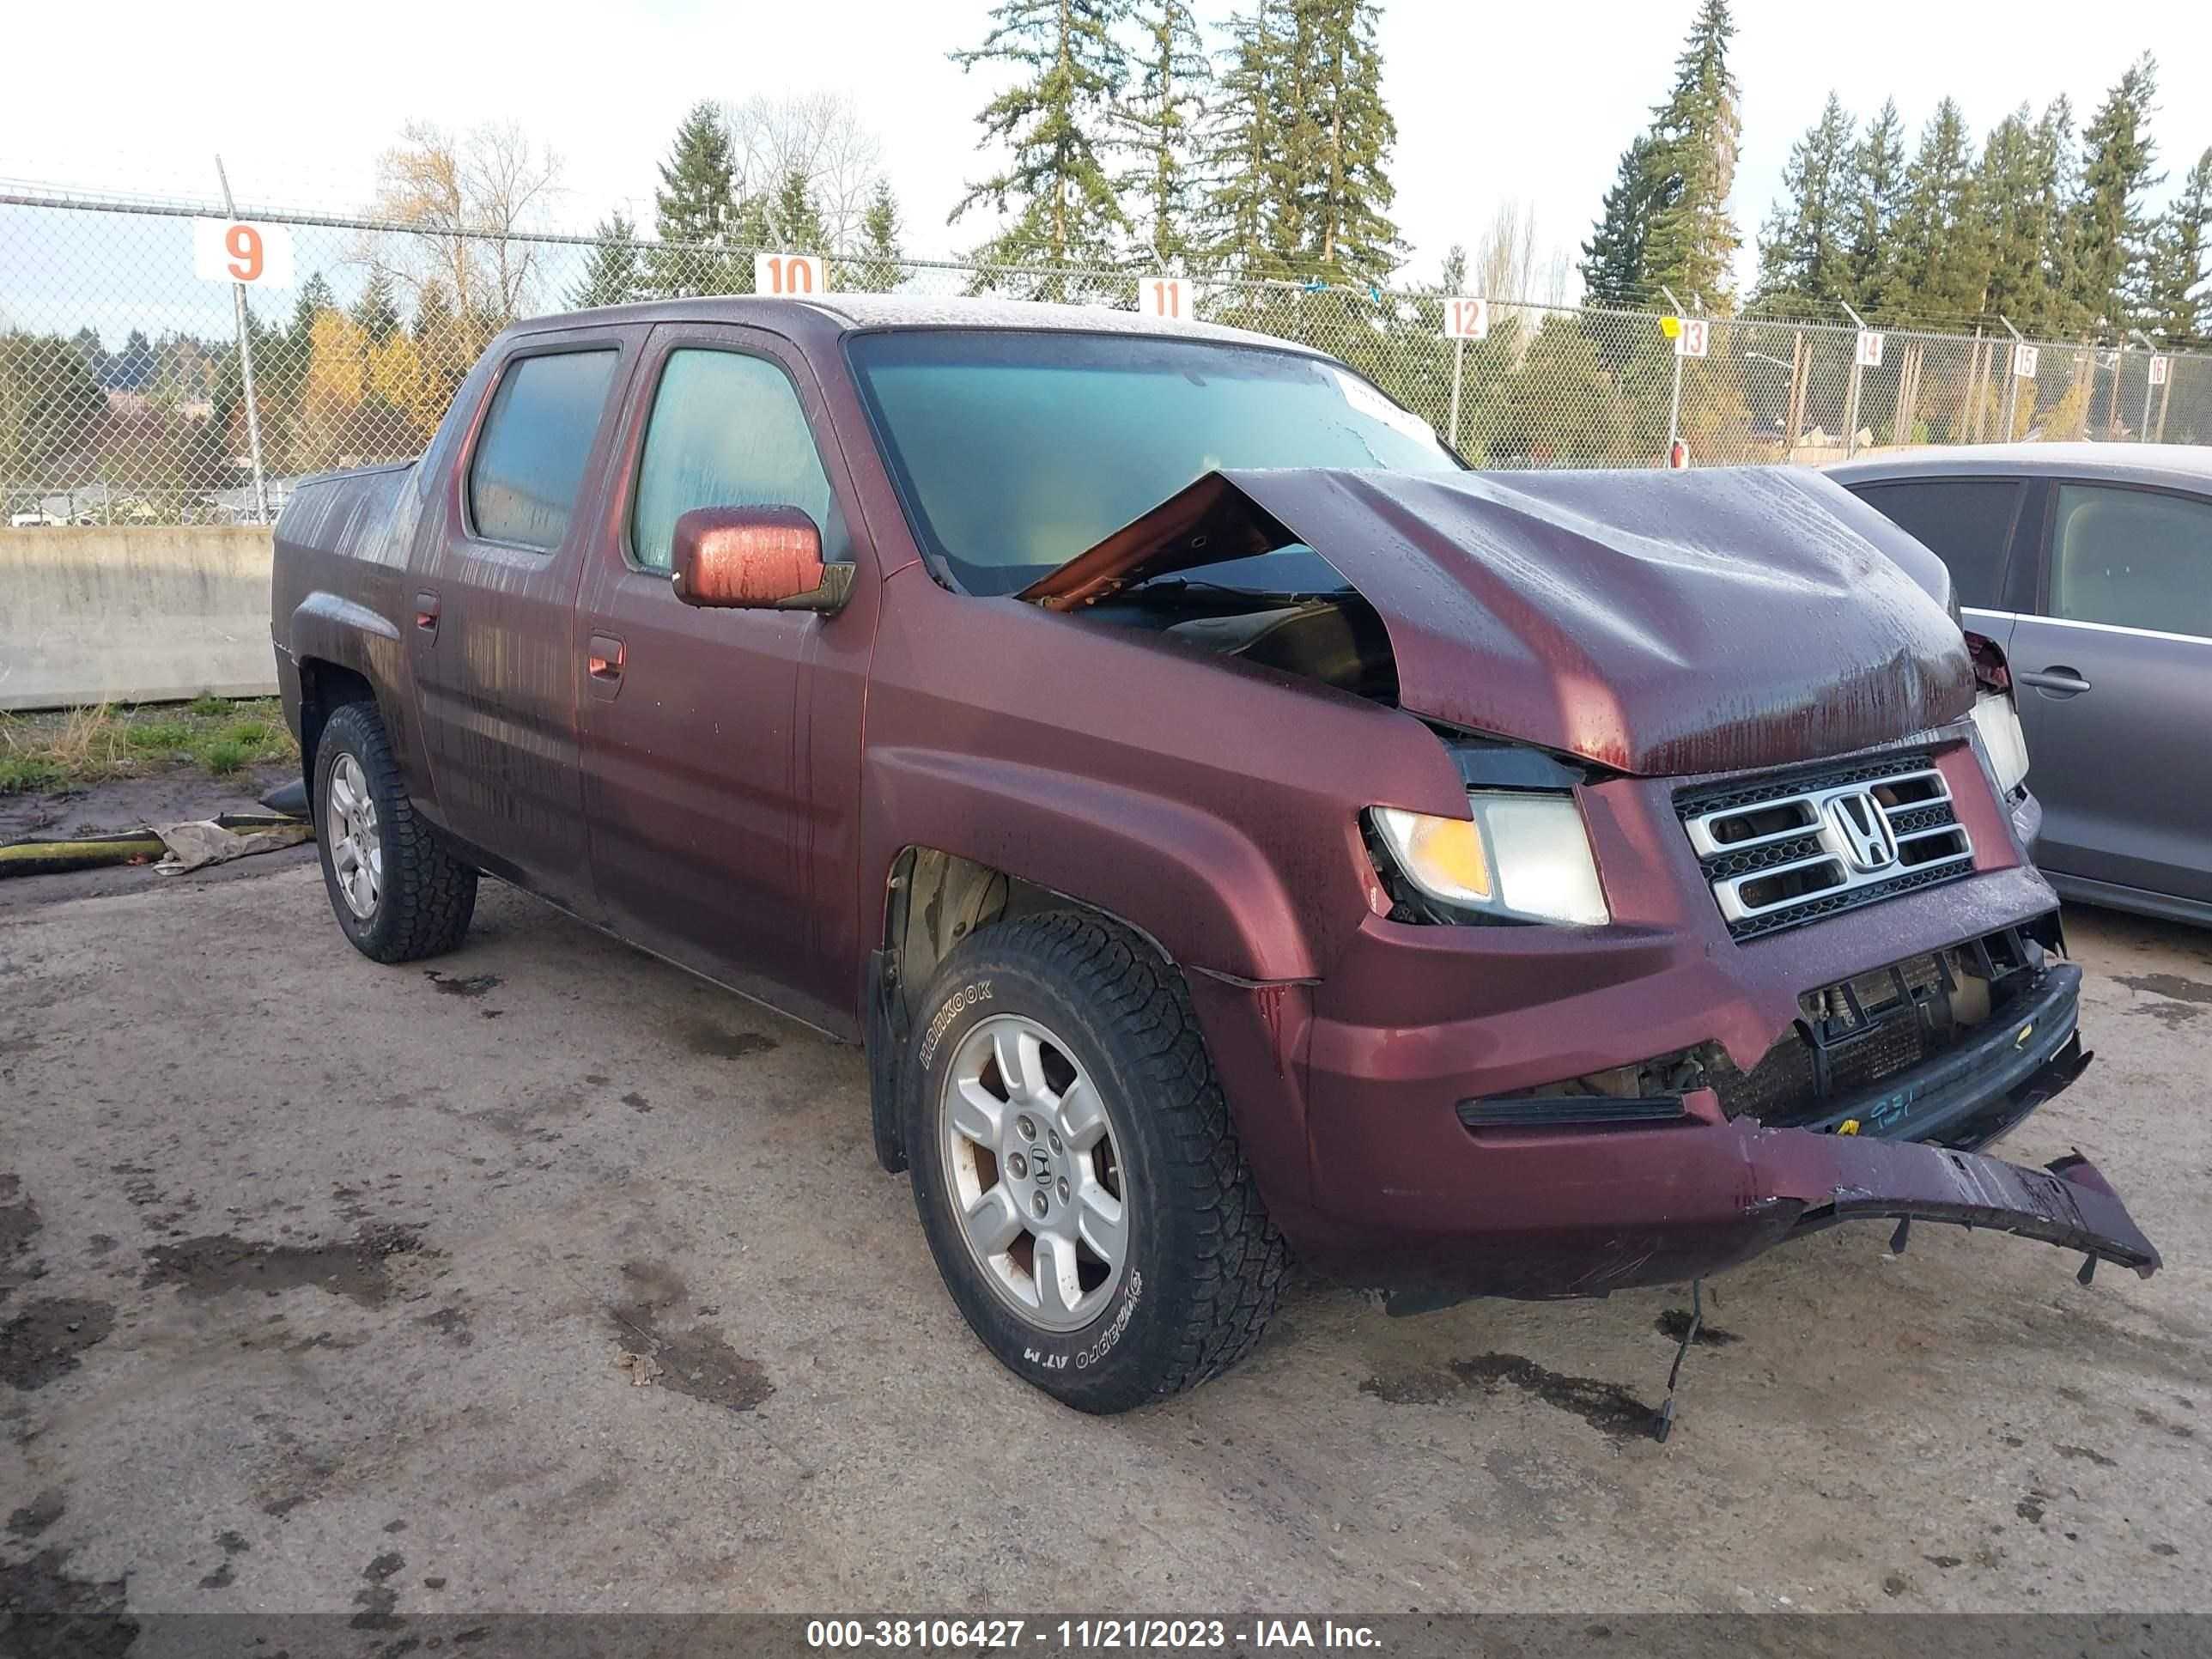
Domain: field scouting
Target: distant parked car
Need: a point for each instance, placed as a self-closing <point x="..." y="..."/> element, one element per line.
<point x="2091" y="566"/>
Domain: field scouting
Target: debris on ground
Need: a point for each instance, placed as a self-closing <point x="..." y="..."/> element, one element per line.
<point x="644" y="1369"/>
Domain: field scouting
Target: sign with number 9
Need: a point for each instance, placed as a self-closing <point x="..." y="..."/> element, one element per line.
<point x="241" y="251"/>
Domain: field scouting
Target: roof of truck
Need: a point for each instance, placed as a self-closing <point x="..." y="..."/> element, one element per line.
<point x="846" y="311"/>
<point x="2187" y="464"/>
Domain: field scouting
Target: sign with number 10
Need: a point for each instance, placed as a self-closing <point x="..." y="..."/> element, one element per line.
<point x="789" y="273"/>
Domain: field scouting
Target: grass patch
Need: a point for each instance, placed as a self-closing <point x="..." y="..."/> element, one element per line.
<point x="80" y="746"/>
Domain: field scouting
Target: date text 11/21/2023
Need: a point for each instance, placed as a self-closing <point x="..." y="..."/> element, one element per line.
<point x="1088" y="1635"/>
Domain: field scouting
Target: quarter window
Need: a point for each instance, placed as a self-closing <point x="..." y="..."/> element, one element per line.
<point x="2133" y="558"/>
<point x="530" y="459"/>
<point x="727" y="430"/>
<point x="1965" y="522"/>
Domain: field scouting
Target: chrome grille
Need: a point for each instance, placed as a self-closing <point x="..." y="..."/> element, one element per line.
<point x="1780" y="851"/>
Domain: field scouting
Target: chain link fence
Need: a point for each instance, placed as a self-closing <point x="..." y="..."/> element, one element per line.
<point x="123" y="395"/>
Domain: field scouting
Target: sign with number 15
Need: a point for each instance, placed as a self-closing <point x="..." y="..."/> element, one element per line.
<point x="240" y="250"/>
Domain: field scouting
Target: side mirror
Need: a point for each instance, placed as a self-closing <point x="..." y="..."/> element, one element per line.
<point x="754" y="558"/>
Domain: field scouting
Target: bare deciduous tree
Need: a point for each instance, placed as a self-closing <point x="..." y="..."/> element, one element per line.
<point x="821" y="138"/>
<point x="470" y="198"/>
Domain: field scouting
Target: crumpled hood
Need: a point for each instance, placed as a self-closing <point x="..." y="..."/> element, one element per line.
<point x="1658" y="622"/>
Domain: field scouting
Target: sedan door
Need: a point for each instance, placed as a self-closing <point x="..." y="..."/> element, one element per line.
<point x="2114" y="672"/>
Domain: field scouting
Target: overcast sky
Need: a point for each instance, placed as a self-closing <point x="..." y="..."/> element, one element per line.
<point x="1492" y="103"/>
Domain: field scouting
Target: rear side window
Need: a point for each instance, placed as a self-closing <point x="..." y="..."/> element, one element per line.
<point x="1965" y="522"/>
<point x="727" y="430"/>
<point x="530" y="459"/>
<point x="2132" y="558"/>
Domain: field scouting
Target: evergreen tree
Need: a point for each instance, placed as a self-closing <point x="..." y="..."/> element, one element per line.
<point x="1055" y="186"/>
<point x="2057" y="172"/>
<point x="878" y="269"/>
<point x="1247" y="182"/>
<point x="611" y="273"/>
<point x="795" y="223"/>
<point x="1346" y="179"/>
<point x="2177" y="305"/>
<point x="2014" y="186"/>
<point x="2107" y="233"/>
<point x="1691" y="243"/>
<point x="315" y="298"/>
<point x="1612" y="260"/>
<point x="1666" y="222"/>
<point x="1803" y="246"/>
<point x="376" y="311"/>
<point x="1876" y="194"/>
<point x="1940" y="259"/>
<point x="696" y="210"/>
<point x="1161" y="120"/>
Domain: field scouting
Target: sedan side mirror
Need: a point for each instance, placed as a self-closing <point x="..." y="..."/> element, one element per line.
<point x="754" y="558"/>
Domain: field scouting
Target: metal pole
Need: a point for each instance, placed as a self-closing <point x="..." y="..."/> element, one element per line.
<point x="246" y="369"/>
<point x="2142" y="433"/>
<point x="2012" y="391"/>
<point x="1459" y="364"/>
<point x="1674" y="404"/>
<point x="1851" y="398"/>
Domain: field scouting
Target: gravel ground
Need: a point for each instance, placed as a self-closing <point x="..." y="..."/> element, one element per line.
<point x="316" y="1280"/>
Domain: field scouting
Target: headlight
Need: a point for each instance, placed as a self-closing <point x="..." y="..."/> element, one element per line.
<point x="1996" y="717"/>
<point x="1517" y="857"/>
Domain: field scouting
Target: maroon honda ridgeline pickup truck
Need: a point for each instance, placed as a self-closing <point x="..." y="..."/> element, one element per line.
<point x="1232" y="827"/>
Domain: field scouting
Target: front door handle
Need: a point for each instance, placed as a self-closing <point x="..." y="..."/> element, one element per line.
<point x="2057" y="681"/>
<point x="426" y="612"/>
<point x="604" y="664"/>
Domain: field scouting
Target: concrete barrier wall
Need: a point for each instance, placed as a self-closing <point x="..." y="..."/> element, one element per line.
<point x="137" y="615"/>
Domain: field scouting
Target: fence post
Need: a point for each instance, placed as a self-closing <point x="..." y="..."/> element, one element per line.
<point x="2012" y="380"/>
<point x="1851" y="397"/>
<point x="1674" y="403"/>
<point x="1459" y="366"/>
<point x="246" y="370"/>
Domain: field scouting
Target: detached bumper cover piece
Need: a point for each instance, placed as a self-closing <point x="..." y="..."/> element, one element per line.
<point x="1850" y="1178"/>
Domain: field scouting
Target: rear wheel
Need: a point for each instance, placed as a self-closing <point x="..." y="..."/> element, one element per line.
<point x="398" y="892"/>
<point x="1076" y="1170"/>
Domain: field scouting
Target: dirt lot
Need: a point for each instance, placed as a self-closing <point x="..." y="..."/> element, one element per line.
<point x="316" y="1276"/>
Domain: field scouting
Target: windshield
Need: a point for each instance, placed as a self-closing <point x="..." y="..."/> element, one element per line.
<point x="1016" y="451"/>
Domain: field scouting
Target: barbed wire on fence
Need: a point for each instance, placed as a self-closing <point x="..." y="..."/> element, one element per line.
<point x="122" y="400"/>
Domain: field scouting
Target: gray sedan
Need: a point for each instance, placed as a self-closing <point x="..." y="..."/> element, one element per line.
<point x="2091" y="566"/>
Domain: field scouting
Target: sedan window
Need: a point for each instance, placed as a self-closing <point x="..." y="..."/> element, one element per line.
<point x="2133" y="558"/>
<point x="1965" y="522"/>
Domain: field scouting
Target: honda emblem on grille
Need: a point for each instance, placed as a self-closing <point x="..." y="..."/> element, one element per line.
<point x="1862" y="830"/>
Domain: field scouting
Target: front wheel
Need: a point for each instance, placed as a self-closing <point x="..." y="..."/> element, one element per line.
<point x="1075" y="1168"/>
<point x="399" y="892"/>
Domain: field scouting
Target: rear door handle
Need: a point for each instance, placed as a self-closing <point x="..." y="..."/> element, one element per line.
<point x="604" y="663"/>
<point x="426" y="612"/>
<point x="2056" y="681"/>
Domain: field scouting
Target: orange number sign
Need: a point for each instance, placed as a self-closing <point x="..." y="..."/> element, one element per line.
<point x="1163" y="297"/>
<point x="243" y="243"/>
<point x="787" y="273"/>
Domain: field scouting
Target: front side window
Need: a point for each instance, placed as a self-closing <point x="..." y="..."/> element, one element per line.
<point x="530" y="459"/>
<point x="1014" y="451"/>
<point x="1965" y="522"/>
<point x="2133" y="558"/>
<point x="727" y="430"/>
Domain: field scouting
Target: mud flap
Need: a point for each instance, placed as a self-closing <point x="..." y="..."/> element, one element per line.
<point x="1851" y="1178"/>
